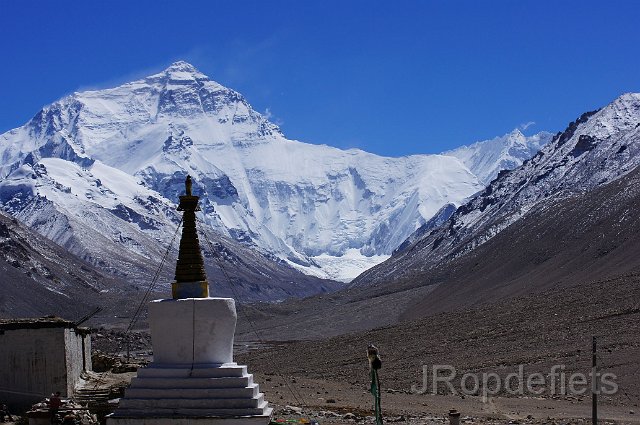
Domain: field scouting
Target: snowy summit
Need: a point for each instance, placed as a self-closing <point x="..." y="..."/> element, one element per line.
<point x="101" y="170"/>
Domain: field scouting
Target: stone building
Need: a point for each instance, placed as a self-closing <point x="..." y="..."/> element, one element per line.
<point x="41" y="356"/>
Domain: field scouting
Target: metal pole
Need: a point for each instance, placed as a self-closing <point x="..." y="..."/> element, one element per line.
<point x="594" y="385"/>
<point x="378" y="404"/>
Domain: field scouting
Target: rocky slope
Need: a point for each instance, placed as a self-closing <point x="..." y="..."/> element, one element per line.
<point x="598" y="148"/>
<point x="39" y="278"/>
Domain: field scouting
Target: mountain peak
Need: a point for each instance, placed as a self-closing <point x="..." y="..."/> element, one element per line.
<point x="628" y="101"/>
<point x="516" y="133"/>
<point x="487" y="158"/>
<point x="629" y="96"/>
<point x="182" y="66"/>
<point x="180" y="71"/>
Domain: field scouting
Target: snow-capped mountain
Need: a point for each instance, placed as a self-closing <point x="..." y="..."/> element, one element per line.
<point x="487" y="158"/>
<point x="598" y="148"/>
<point x="99" y="172"/>
<point x="104" y="217"/>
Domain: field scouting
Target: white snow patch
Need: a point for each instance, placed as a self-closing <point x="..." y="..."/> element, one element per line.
<point x="343" y="268"/>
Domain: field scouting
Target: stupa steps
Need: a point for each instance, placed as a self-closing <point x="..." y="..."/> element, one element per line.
<point x="225" y="370"/>
<point x="176" y="413"/>
<point x="226" y="382"/>
<point x="159" y="405"/>
<point x="192" y="420"/>
<point x="181" y="393"/>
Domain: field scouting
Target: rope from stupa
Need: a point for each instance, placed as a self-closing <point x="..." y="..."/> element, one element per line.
<point x="297" y="397"/>
<point x="113" y="353"/>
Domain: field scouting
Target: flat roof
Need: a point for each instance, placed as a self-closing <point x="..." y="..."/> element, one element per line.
<point x="36" y="323"/>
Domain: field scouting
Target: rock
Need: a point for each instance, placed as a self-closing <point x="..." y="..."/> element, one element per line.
<point x="292" y="409"/>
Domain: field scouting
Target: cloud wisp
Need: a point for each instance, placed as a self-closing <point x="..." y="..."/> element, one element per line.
<point x="526" y="125"/>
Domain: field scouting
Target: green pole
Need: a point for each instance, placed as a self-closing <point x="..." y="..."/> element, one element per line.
<point x="375" y="364"/>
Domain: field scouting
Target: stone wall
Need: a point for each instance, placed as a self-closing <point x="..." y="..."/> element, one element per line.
<point x="37" y="362"/>
<point x="77" y="356"/>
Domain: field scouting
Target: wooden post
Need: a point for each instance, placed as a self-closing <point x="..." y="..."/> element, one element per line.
<point x="454" y="417"/>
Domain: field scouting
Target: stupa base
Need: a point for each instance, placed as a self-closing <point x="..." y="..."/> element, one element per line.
<point x="188" y="420"/>
<point x="201" y="394"/>
<point x="193" y="379"/>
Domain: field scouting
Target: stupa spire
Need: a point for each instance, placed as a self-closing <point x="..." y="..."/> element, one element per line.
<point x="191" y="278"/>
<point x="192" y="337"/>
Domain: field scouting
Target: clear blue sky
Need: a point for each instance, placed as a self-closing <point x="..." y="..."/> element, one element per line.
<point x="394" y="77"/>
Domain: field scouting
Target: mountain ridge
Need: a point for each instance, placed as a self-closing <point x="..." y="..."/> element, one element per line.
<point x="487" y="158"/>
<point x="579" y="235"/>
<point x="280" y="196"/>
<point x="597" y="148"/>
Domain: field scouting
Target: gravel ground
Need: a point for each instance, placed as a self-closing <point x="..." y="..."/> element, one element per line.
<point x="536" y="331"/>
<point x="342" y="403"/>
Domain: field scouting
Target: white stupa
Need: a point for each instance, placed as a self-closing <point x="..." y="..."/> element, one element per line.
<point x="193" y="379"/>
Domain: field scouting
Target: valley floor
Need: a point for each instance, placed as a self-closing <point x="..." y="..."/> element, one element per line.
<point x="327" y="376"/>
<point x="334" y="402"/>
<point x="536" y="331"/>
